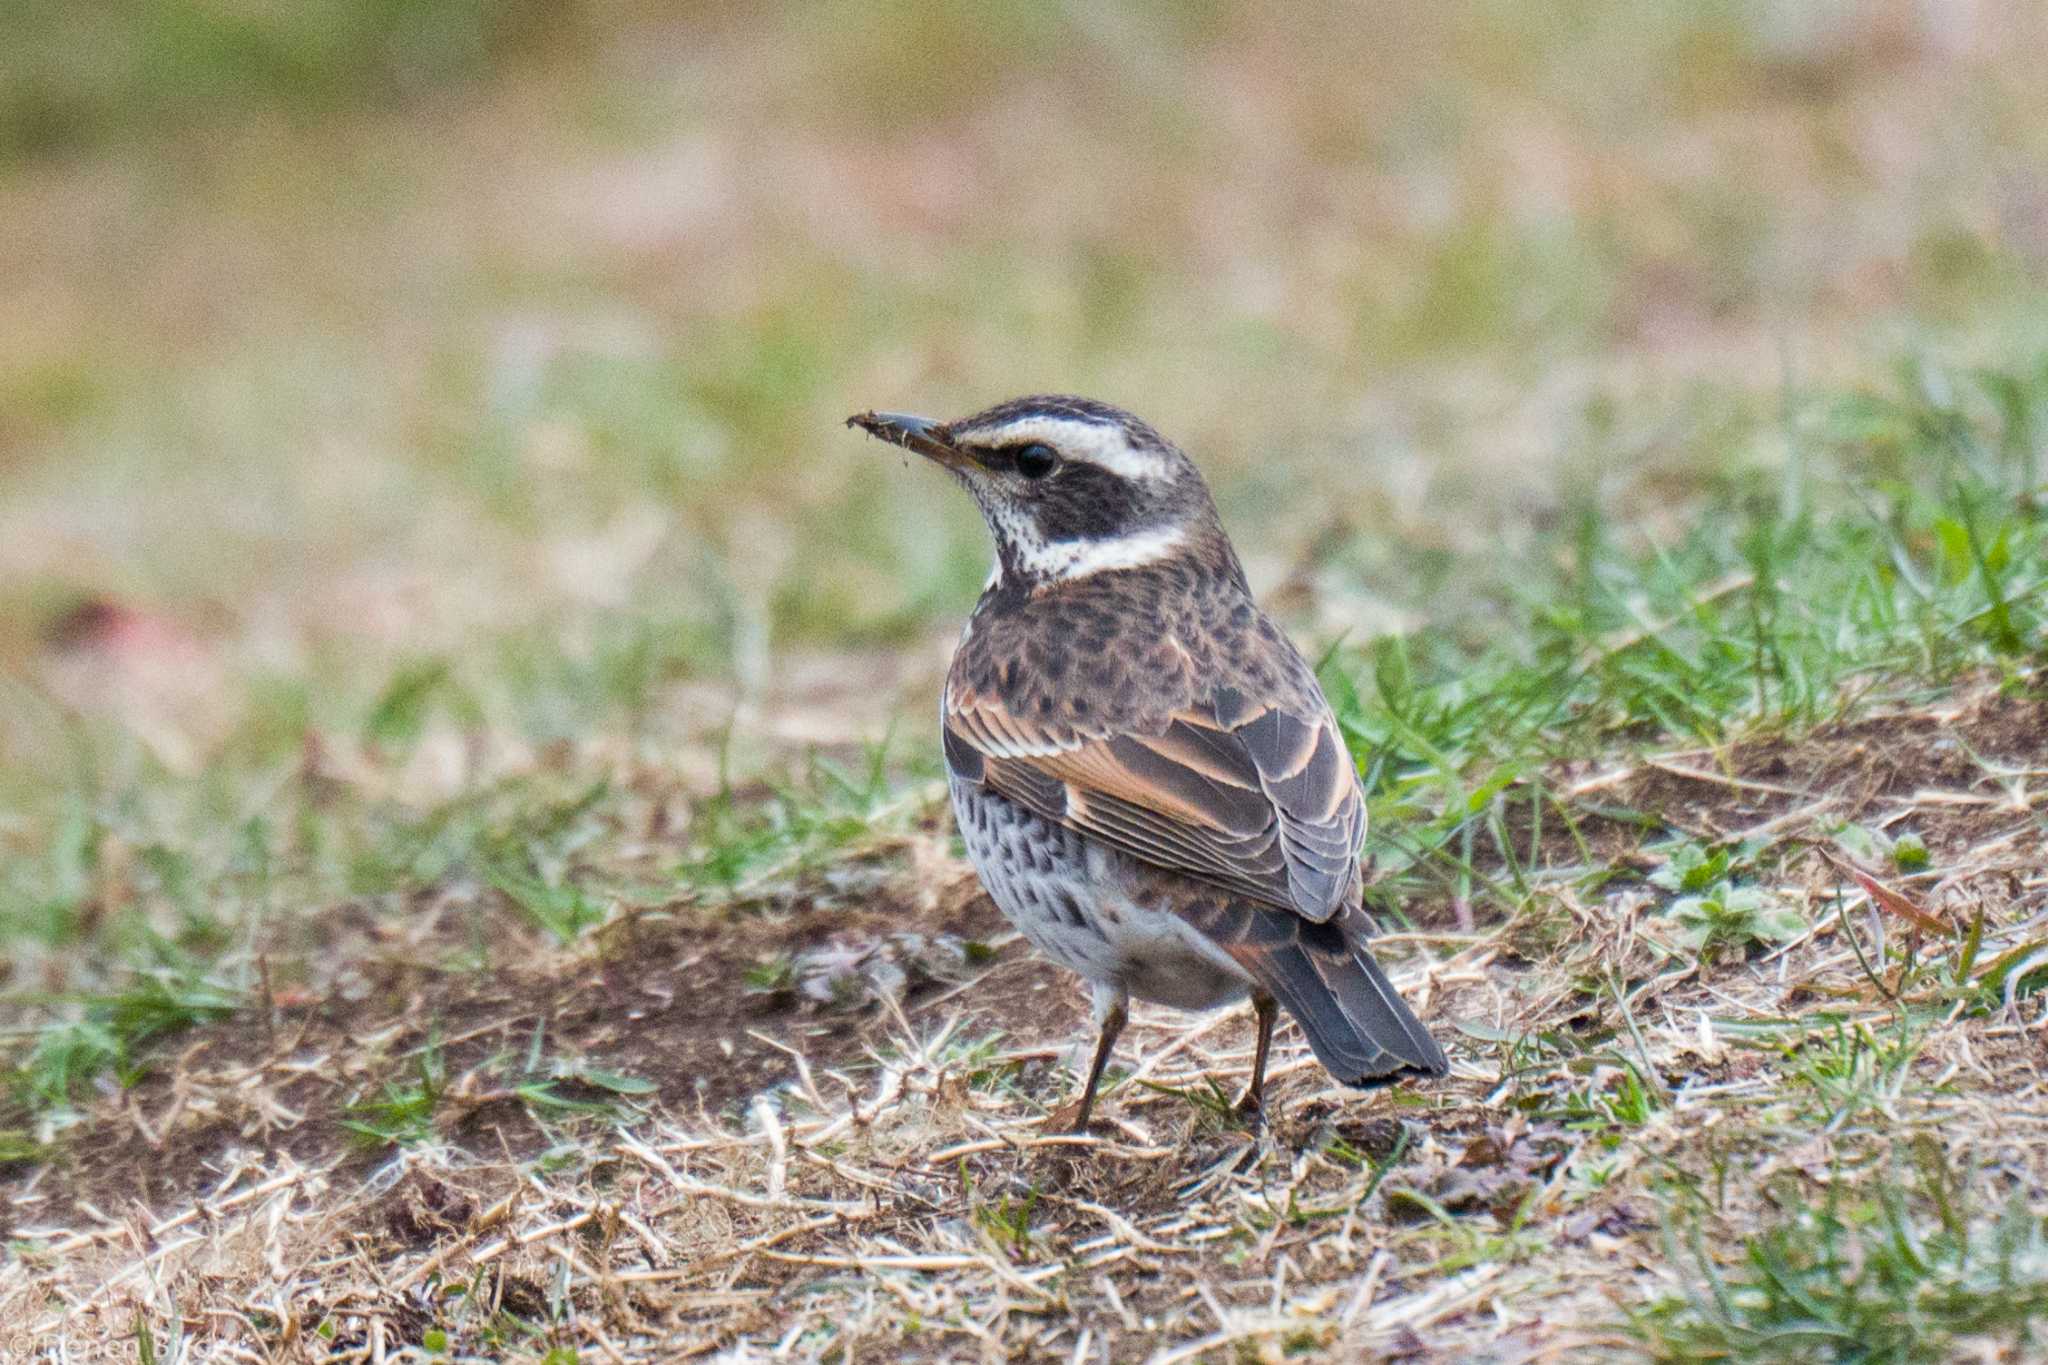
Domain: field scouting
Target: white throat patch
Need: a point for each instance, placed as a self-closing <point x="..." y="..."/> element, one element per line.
<point x="1096" y="442"/>
<point x="1063" y="561"/>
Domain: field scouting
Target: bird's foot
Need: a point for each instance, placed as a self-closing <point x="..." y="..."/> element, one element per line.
<point x="1071" y="1117"/>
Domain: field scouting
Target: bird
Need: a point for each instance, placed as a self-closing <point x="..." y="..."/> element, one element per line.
<point x="1143" y="769"/>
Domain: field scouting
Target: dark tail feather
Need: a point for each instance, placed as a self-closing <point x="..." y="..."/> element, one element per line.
<point x="1356" y="1022"/>
<point x="1383" y="1016"/>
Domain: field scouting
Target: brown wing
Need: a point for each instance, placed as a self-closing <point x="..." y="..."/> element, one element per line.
<point x="1249" y="798"/>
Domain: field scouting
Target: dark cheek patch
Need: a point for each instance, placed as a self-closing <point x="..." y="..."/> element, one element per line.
<point x="1083" y="502"/>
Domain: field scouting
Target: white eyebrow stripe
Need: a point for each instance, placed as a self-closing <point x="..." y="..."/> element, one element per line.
<point x="1063" y="561"/>
<point x="1102" y="443"/>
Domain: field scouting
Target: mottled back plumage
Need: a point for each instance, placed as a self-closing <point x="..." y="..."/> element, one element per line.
<point x="1118" y="686"/>
<point x="1190" y="733"/>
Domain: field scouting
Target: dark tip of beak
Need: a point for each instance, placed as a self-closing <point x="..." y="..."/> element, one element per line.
<point x="921" y="434"/>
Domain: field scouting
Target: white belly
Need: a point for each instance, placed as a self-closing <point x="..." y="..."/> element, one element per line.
<point x="1071" y="897"/>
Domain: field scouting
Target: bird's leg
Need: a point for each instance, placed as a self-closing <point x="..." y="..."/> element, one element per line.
<point x="1252" y="1103"/>
<point x="1110" y="1014"/>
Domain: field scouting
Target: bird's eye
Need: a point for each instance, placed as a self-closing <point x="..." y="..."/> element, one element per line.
<point x="1036" y="460"/>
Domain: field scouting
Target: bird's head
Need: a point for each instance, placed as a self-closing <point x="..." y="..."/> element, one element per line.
<point x="1070" y="487"/>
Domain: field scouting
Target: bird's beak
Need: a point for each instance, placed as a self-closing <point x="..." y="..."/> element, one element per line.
<point x="921" y="434"/>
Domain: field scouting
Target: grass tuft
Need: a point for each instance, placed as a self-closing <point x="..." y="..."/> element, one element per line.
<point x="1878" y="1273"/>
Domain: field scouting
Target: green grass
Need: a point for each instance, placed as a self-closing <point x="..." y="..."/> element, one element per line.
<point x="402" y="1110"/>
<point x="78" y="76"/>
<point x="406" y="1109"/>
<point x="1904" y="542"/>
<point x="826" y="813"/>
<point x="95" y="1034"/>
<point x="1875" y="1273"/>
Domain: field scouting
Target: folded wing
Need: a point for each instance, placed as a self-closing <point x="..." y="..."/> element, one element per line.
<point x="1248" y="798"/>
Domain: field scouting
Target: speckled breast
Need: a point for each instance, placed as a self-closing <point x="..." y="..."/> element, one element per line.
<point x="1074" y="902"/>
<point x="1037" y="873"/>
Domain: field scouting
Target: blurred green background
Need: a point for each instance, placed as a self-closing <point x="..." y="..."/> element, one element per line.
<point x="400" y="363"/>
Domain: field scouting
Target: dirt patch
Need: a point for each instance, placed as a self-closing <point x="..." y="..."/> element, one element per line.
<point x="1958" y="776"/>
<point x="1946" y="774"/>
<point x="708" y="1007"/>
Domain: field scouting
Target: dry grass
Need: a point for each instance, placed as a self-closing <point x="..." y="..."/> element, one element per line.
<point x="893" y="1196"/>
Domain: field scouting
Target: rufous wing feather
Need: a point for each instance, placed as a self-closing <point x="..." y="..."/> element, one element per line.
<point x="1266" y="806"/>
